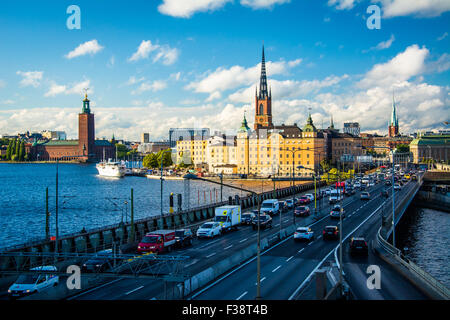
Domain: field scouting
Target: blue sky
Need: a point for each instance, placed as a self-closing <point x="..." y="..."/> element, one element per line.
<point x="152" y="65"/>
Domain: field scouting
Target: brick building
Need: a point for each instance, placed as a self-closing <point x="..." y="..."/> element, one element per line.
<point x="86" y="148"/>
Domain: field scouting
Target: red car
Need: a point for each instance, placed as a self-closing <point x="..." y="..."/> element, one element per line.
<point x="302" y="211"/>
<point x="304" y="200"/>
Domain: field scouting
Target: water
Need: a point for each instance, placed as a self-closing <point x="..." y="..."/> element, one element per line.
<point x="425" y="232"/>
<point x="85" y="199"/>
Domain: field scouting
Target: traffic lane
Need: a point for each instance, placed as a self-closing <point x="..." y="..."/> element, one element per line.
<point x="272" y="262"/>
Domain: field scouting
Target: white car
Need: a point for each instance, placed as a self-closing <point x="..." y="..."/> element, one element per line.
<point x="397" y="186"/>
<point x="310" y="196"/>
<point x="357" y="185"/>
<point x="303" y="233"/>
<point x="28" y="284"/>
<point x="209" y="230"/>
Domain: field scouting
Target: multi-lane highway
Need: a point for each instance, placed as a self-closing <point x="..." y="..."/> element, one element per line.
<point x="284" y="267"/>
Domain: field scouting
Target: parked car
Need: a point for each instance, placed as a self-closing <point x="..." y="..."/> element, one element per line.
<point x="100" y="262"/>
<point x="209" y="230"/>
<point x="302" y="211"/>
<point x="358" y="246"/>
<point x="28" y="284"/>
<point x="183" y="237"/>
<point x="290" y="203"/>
<point x="265" y="221"/>
<point x="303" y="233"/>
<point x="304" y="200"/>
<point x="336" y="211"/>
<point x="247" y="217"/>
<point x="330" y="232"/>
<point x="365" y="195"/>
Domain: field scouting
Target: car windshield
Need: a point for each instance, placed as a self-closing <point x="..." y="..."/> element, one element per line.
<point x="150" y="239"/>
<point x="301" y="230"/>
<point x="261" y="218"/>
<point x="330" y="228"/>
<point x="301" y="208"/>
<point x="336" y="209"/>
<point x="179" y="233"/>
<point x="267" y="205"/>
<point x="207" y="226"/>
<point x="358" y="242"/>
<point x="27" y="279"/>
<point x="246" y="216"/>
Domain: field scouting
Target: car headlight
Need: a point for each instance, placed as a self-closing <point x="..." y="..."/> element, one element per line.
<point x="27" y="291"/>
<point x="9" y="290"/>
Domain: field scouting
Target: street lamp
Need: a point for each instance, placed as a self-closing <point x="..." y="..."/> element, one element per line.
<point x="191" y="176"/>
<point x="162" y="160"/>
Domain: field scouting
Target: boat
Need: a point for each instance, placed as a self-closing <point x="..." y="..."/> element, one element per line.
<point x="111" y="169"/>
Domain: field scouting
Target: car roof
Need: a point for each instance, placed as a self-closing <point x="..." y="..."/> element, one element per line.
<point x="52" y="268"/>
<point x="358" y="238"/>
<point x="331" y="227"/>
<point x="303" y="228"/>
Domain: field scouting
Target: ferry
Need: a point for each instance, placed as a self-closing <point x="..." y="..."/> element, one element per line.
<point x="111" y="169"/>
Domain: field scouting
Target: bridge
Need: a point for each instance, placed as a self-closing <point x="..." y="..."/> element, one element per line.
<point x="225" y="267"/>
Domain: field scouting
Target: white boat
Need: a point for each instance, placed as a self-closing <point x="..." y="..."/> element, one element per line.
<point x="111" y="169"/>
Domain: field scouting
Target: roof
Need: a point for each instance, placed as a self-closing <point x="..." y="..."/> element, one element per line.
<point x="430" y="141"/>
<point x="105" y="143"/>
<point x="60" y="143"/>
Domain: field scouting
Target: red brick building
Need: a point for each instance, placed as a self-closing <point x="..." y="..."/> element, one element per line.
<point x="86" y="148"/>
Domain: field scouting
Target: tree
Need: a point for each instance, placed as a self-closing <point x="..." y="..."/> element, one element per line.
<point x="21" y="151"/>
<point x="121" y="151"/>
<point x="16" y="147"/>
<point x="9" y="150"/>
<point x="166" y="157"/>
<point x="150" y="161"/>
<point x="402" y="148"/>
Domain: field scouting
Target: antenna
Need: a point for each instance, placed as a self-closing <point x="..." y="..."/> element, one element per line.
<point x="85" y="91"/>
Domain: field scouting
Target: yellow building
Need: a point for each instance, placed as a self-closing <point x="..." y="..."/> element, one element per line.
<point x="192" y="151"/>
<point x="221" y="154"/>
<point x="279" y="150"/>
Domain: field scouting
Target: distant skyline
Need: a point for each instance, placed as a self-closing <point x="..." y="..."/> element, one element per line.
<point x="152" y="65"/>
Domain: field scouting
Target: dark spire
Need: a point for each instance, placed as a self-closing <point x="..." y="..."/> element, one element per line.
<point x="86" y="108"/>
<point x="263" y="78"/>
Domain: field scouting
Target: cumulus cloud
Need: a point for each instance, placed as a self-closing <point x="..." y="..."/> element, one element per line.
<point x="236" y="76"/>
<point x="30" y="78"/>
<point x="186" y="8"/>
<point x="154" y="86"/>
<point x="443" y="36"/>
<point x="423" y="8"/>
<point x="402" y="67"/>
<point x="262" y="4"/>
<point x="89" y="47"/>
<point x="165" y="53"/>
<point x="342" y="4"/>
<point x="75" y="88"/>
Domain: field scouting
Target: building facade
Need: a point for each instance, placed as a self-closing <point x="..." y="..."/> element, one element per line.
<point x="86" y="148"/>
<point x="352" y="128"/>
<point x="178" y="134"/>
<point x="431" y="146"/>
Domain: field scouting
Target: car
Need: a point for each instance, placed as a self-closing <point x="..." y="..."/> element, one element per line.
<point x="330" y="232"/>
<point x="265" y="221"/>
<point x="183" y="237"/>
<point x="304" y="200"/>
<point x="303" y="233"/>
<point x="100" y="262"/>
<point x="270" y="206"/>
<point x="302" y="211"/>
<point x="327" y="191"/>
<point x="387" y="183"/>
<point x="283" y="206"/>
<point x="385" y="193"/>
<point x="246" y="217"/>
<point x="28" y="284"/>
<point x="290" y="203"/>
<point x="414" y="178"/>
<point x="310" y="196"/>
<point x="357" y="185"/>
<point x="358" y="246"/>
<point x="349" y="191"/>
<point x="336" y="211"/>
<point x="365" y="195"/>
<point x="397" y="186"/>
<point x="209" y="230"/>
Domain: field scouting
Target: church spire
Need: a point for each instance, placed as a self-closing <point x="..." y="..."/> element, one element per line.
<point x="394" y="119"/>
<point x="86" y="108"/>
<point x="263" y="78"/>
<point x="331" y="122"/>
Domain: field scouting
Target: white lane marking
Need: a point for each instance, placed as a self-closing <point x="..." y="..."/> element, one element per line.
<point x="256" y="283"/>
<point x="319" y="237"/>
<point x="289" y="259"/>
<point x="138" y="288"/>
<point x="277" y="225"/>
<point x="190" y="264"/>
<point x="276" y="268"/>
<point x="243" y="240"/>
<point x="90" y="290"/>
<point x="209" y="243"/>
<point x="238" y="298"/>
<point x="212" y="254"/>
<point x="301" y="250"/>
<point x="227" y="247"/>
<point x="310" y="243"/>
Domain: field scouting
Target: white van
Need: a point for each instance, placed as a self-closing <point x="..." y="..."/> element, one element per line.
<point x="335" y="196"/>
<point x="28" y="284"/>
<point x="270" y="207"/>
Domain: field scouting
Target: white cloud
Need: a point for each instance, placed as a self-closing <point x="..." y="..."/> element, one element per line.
<point x="30" y="78"/>
<point x="75" y="88"/>
<point x="262" y="4"/>
<point x="156" y="85"/>
<point x="236" y="76"/>
<point x="88" y="47"/>
<point x="213" y="96"/>
<point x="402" y="67"/>
<point x="111" y="62"/>
<point x="165" y="53"/>
<point x="186" y="8"/>
<point x="175" y="76"/>
<point x="443" y="36"/>
<point x="422" y="8"/>
<point x="385" y="44"/>
<point x="342" y="4"/>
<point x="440" y="65"/>
<point x="133" y="80"/>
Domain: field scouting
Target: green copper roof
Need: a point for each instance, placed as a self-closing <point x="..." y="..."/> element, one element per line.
<point x="105" y="143"/>
<point x="60" y="143"/>
<point x="430" y="141"/>
<point x="309" y="127"/>
<point x="244" y="127"/>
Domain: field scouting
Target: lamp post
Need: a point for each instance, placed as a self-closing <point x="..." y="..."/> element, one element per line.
<point x="190" y="176"/>
<point x="161" y="198"/>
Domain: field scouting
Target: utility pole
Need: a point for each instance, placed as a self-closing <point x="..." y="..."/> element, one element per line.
<point x="258" y="254"/>
<point x="47" y="216"/>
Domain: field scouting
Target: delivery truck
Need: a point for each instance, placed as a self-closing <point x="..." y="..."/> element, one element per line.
<point x="229" y="217"/>
<point x="157" y="241"/>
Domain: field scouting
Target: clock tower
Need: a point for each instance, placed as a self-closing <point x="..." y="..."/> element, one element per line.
<point x="263" y="100"/>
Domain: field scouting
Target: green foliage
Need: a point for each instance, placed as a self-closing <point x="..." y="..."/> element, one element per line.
<point x="150" y="160"/>
<point x="402" y="148"/>
<point x="14" y="157"/>
<point x="121" y="150"/>
<point x="21" y="154"/>
<point x="166" y="157"/>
